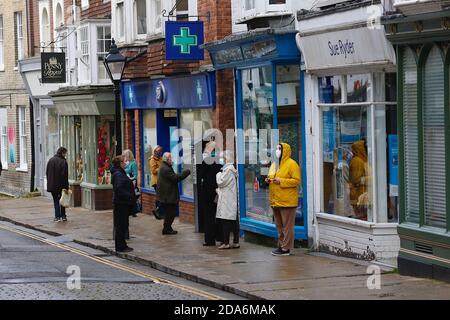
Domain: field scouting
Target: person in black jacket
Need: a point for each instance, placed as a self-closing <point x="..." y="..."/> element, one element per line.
<point x="124" y="199"/>
<point x="207" y="195"/>
<point x="58" y="179"/>
<point x="167" y="191"/>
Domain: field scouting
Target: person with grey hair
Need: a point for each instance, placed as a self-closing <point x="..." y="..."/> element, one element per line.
<point x="227" y="204"/>
<point x="167" y="191"/>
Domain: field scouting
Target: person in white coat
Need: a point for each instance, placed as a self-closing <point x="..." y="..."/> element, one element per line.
<point x="227" y="203"/>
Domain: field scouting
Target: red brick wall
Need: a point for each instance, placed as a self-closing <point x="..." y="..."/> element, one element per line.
<point x="97" y="9"/>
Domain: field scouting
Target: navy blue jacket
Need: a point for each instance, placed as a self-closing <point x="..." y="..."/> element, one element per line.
<point x="123" y="189"/>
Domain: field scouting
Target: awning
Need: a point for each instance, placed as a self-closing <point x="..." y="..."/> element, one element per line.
<point x="346" y="50"/>
<point x="84" y="101"/>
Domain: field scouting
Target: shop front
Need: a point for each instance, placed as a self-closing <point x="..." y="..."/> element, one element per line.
<point x="165" y="106"/>
<point x="353" y="145"/>
<point x="86" y="129"/>
<point x="45" y="124"/>
<point x="422" y="41"/>
<point x="269" y="110"/>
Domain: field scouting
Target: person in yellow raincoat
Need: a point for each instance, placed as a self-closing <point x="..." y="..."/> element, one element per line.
<point x="284" y="180"/>
<point x="359" y="179"/>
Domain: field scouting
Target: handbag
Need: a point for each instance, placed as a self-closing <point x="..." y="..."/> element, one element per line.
<point x="66" y="196"/>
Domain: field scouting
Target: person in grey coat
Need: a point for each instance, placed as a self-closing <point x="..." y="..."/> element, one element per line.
<point x="167" y="191"/>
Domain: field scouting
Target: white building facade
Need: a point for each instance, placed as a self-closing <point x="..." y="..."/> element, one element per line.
<point x="352" y="147"/>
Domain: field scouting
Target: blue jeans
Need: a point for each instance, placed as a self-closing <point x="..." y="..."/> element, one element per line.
<point x="60" y="211"/>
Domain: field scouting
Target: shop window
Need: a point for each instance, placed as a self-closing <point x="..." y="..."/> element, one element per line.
<point x="330" y="89"/>
<point x="258" y="113"/>
<point x="289" y="118"/>
<point x="347" y="177"/>
<point x="187" y="120"/>
<point x="23" y="138"/>
<point x="410" y="137"/>
<point x="433" y="117"/>
<point x="149" y="144"/>
<point x="51" y="133"/>
<point x="357" y="88"/>
<point x="3" y="138"/>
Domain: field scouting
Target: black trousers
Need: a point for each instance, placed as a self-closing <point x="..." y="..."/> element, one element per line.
<point x="60" y="211"/>
<point x="230" y="226"/>
<point x="213" y="230"/>
<point x="121" y="223"/>
<point x="170" y="211"/>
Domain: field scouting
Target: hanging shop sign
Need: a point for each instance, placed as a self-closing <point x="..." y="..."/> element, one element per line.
<point x="183" y="40"/>
<point x="53" y="67"/>
<point x="346" y="48"/>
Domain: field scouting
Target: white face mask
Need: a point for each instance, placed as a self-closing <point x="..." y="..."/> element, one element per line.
<point x="278" y="153"/>
<point x="127" y="162"/>
<point x="222" y="161"/>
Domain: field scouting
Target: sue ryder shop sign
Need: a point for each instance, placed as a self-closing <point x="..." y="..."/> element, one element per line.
<point x="345" y="48"/>
<point x="53" y="67"/>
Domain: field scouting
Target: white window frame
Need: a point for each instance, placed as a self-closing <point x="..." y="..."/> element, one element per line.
<point x="277" y="7"/>
<point x="18" y="18"/>
<point x="137" y="35"/>
<point x="251" y="11"/>
<point x="153" y="16"/>
<point x="2" y="45"/>
<point x="120" y="21"/>
<point x="23" y="138"/>
<point x="62" y="22"/>
<point x="84" y="56"/>
<point x="4" y="138"/>
<point x="97" y="63"/>
<point x="45" y="37"/>
<point x="84" y="4"/>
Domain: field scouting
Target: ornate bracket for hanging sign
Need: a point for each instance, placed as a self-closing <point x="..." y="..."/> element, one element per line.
<point x="171" y="15"/>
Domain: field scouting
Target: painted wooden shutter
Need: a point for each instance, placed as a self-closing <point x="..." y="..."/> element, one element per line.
<point x="434" y="140"/>
<point x="411" y="137"/>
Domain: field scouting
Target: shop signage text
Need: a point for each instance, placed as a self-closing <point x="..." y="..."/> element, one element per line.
<point x="341" y="48"/>
<point x="53" y="67"/>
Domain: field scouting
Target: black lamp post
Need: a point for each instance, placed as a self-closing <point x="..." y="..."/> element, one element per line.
<point x="115" y="65"/>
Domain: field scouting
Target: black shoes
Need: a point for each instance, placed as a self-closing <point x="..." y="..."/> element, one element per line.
<point x="170" y="232"/>
<point x="157" y="214"/>
<point x="281" y="252"/>
<point x="127" y="249"/>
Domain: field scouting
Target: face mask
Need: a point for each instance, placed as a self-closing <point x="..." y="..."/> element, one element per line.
<point x="278" y="153"/>
<point x="127" y="163"/>
<point x="222" y="161"/>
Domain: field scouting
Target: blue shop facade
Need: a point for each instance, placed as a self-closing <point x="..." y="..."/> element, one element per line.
<point x="269" y="91"/>
<point x="165" y="105"/>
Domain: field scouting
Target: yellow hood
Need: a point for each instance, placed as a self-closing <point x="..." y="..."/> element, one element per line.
<point x="359" y="150"/>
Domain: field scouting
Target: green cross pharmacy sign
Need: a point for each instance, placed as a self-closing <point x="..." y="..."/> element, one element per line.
<point x="183" y="40"/>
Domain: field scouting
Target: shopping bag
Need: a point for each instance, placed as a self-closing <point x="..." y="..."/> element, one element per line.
<point x="66" y="196"/>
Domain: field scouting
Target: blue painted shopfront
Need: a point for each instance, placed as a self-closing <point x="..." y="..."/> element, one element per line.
<point x="269" y="95"/>
<point x="167" y="99"/>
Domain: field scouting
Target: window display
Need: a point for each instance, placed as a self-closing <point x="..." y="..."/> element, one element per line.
<point x="188" y="117"/>
<point x="258" y="114"/>
<point x="149" y="143"/>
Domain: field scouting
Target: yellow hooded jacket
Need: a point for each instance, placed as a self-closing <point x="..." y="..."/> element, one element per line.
<point x="359" y="176"/>
<point x="285" y="195"/>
